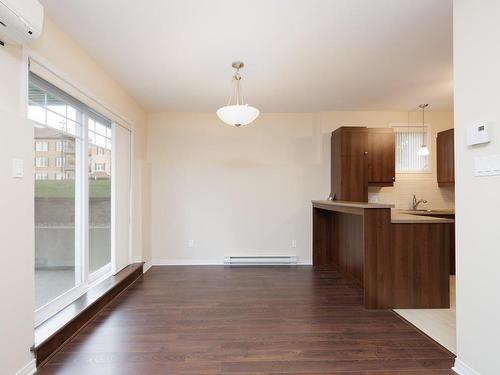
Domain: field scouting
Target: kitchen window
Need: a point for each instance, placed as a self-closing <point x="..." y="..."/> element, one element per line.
<point x="408" y="141"/>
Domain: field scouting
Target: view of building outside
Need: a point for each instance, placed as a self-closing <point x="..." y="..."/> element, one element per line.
<point x="54" y="172"/>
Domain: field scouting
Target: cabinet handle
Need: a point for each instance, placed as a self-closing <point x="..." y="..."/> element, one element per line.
<point x="366" y="152"/>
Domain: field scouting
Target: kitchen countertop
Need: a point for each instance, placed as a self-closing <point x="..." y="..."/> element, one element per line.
<point x="442" y="211"/>
<point x="420" y="217"/>
<point x="326" y="203"/>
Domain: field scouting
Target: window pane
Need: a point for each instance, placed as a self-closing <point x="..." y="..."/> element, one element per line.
<point x="56" y="121"/>
<point x="36" y="96"/>
<point x="408" y="143"/>
<point x="99" y="200"/>
<point x="54" y="217"/>
<point x="36" y="113"/>
<point x="56" y="105"/>
<point x="100" y="129"/>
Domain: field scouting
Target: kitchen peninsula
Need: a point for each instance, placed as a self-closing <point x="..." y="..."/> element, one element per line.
<point x="400" y="260"/>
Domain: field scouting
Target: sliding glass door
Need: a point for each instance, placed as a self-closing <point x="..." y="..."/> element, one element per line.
<point x="99" y="178"/>
<point x="72" y="156"/>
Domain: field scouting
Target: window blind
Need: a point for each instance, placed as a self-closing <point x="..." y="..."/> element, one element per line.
<point x="408" y="142"/>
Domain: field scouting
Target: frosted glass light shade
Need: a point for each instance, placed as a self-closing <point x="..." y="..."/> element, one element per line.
<point x="238" y="115"/>
<point x="423" y="151"/>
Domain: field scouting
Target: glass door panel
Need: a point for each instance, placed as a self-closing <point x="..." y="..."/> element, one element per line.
<point x="99" y="177"/>
<point x="55" y="260"/>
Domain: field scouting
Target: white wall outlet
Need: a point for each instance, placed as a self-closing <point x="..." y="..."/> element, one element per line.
<point x="372" y="198"/>
<point x="17" y="168"/>
<point x="294" y="243"/>
<point x="190" y="243"/>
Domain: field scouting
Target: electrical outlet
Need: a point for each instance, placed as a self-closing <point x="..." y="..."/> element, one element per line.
<point x="190" y="243"/>
<point x="294" y="243"/>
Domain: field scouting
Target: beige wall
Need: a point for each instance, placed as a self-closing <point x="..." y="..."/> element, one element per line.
<point x="477" y="82"/>
<point x="63" y="54"/>
<point x="17" y="238"/>
<point x="248" y="190"/>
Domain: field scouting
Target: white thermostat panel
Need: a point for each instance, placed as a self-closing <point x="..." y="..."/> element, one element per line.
<point x="478" y="134"/>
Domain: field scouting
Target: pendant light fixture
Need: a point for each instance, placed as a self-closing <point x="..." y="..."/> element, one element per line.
<point x="423" y="150"/>
<point x="237" y="114"/>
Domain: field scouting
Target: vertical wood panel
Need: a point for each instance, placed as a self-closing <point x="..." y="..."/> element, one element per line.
<point x="421" y="265"/>
<point x="381" y="157"/>
<point x="378" y="283"/>
<point x="445" y="157"/>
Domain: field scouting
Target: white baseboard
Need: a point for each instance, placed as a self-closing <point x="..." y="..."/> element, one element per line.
<point x="205" y="262"/>
<point x="146" y="267"/>
<point x="462" y="369"/>
<point x="29" y="369"/>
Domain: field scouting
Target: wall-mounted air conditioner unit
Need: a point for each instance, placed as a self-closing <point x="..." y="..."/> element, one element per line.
<point x="21" y="21"/>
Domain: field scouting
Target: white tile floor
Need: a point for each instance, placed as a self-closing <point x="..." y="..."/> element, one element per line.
<point x="437" y="323"/>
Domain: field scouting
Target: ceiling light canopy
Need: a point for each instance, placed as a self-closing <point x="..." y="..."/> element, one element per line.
<point x="237" y="114"/>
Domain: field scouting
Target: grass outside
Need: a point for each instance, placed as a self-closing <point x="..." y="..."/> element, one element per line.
<point x="66" y="189"/>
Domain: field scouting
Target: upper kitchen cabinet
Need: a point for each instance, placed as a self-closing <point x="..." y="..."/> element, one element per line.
<point x="445" y="157"/>
<point x="381" y="157"/>
<point x="360" y="157"/>
<point x="348" y="164"/>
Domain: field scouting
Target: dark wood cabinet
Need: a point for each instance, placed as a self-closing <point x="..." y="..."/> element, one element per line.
<point x="445" y="157"/>
<point x="349" y="165"/>
<point x="360" y="157"/>
<point x="381" y="157"/>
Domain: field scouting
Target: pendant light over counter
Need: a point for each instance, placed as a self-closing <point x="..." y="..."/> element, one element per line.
<point x="237" y="114"/>
<point x="423" y="150"/>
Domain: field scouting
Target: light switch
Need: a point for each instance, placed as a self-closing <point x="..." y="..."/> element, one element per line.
<point x="487" y="165"/>
<point x="17" y="168"/>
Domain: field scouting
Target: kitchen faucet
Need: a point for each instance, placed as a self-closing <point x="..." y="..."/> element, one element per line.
<point x="416" y="203"/>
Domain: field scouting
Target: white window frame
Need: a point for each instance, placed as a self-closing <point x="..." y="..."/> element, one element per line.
<point x="404" y="127"/>
<point x="100" y="167"/>
<point x="61" y="146"/>
<point x="38" y="176"/>
<point x="41" y="146"/>
<point x="84" y="279"/>
<point x="40" y="164"/>
<point x="60" y="162"/>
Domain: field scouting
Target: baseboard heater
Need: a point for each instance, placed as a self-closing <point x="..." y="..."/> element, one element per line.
<point x="266" y="260"/>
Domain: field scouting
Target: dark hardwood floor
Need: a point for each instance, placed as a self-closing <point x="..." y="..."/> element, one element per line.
<point x="247" y="320"/>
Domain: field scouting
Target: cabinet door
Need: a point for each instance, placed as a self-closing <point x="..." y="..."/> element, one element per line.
<point x="445" y="157"/>
<point x="348" y="164"/>
<point x="354" y="164"/>
<point x="353" y="141"/>
<point x="381" y="157"/>
<point x="354" y="186"/>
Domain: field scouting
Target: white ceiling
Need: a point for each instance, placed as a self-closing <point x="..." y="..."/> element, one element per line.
<point x="300" y="55"/>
